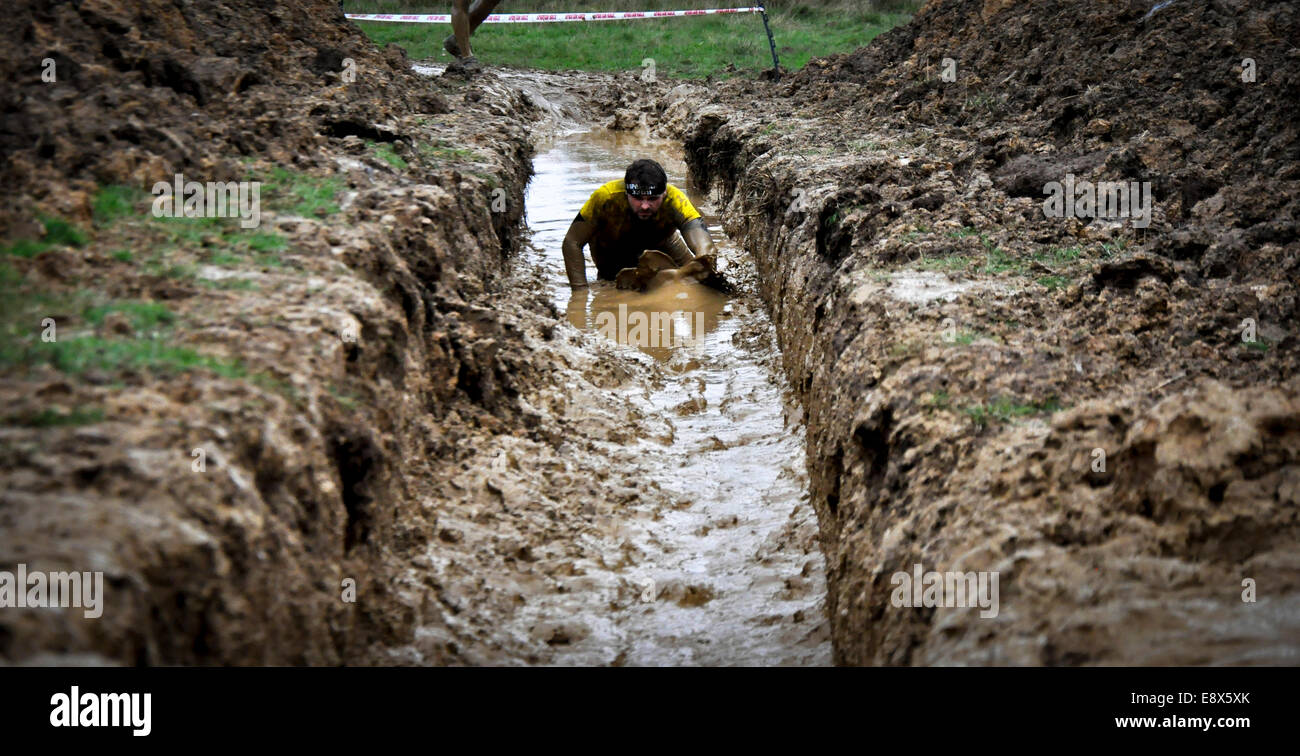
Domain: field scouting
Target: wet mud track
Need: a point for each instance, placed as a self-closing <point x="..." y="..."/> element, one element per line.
<point x="727" y="567"/>
<point x="663" y="518"/>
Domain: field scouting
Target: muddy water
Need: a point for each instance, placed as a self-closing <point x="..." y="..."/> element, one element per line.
<point x="725" y="568"/>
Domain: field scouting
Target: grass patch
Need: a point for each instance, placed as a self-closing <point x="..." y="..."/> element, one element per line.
<point x="301" y="193"/>
<point x="1004" y="409"/>
<point x="1258" y="345"/>
<point x="9" y="276"/>
<point x="442" y="150"/>
<point x="57" y="232"/>
<point x="385" y="152"/>
<point x="231" y="284"/>
<point x="51" y="418"/>
<point x="939" y="400"/>
<point x="1059" y="255"/>
<point x="122" y="255"/>
<point x="78" y="355"/>
<point x="265" y="242"/>
<point x="680" y="47"/>
<point x="966" y="338"/>
<point x="156" y="266"/>
<point x="182" y="230"/>
<point x="144" y="316"/>
<point x="1052" y="283"/>
<point x="1113" y="249"/>
<point x="114" y="202"/>
<point x="946" y="263"/>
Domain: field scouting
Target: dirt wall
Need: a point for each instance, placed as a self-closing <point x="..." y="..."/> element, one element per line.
<point x="250" y="487"/>
<point x="965" y="361"/>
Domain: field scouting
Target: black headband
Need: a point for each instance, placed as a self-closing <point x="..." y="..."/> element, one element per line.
<point x="644" y="190"/>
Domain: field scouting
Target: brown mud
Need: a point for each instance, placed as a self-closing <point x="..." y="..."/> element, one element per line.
<point x="426" y="454"/>
<point x="506" y="485"/>
<point x="963" y="358"/>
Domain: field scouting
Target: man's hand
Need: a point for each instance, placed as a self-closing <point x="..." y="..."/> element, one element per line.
<point x="580" y="232"/>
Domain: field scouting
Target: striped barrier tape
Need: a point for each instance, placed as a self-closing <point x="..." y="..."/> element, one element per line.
<point x="538" y="18"/>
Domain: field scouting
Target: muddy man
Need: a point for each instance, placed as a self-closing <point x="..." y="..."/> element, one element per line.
<point x="625" y="219"/>
<point x="464" y="20"/>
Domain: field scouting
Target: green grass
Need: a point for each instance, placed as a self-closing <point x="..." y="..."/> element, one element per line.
<point x="446" y="151"/>
<point x="50" y="418"/>
<point x="182" y="230"/>
<point x="385" y="152"/>
<point x="1259" y="345"/>
<point x="1059" y="255"/>
<point x="81" y="354"/>
<point x="1003" y="410"/>
<point x="176" y="271"/>
<point x="938" y="400"/>
<point x="114" y="202"/>
<point x="225" y="259"/>
<point x="122" y="255"/>
<point x="966" y="338"/>
<point x="57" y="232"/>
<point x="945" y="263"/>
<point x="300" y="193"/>
<point x="997" y="260"/>
<point x="1111" y="249"/>
<point x="266" y="242"/>
<point x="144" y="316"/>
<point x="1052" y="283"/>
<point x="231" y="284"/>
<point x="681" y="47"/>
<point x="75" y="351"/>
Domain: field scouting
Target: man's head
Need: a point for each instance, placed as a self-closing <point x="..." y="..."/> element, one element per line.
<point x="645" y="183"/>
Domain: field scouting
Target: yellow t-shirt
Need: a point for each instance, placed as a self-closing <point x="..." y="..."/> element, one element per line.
<point x="617" y="228"/>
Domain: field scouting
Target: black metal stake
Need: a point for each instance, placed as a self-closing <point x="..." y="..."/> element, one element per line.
<point x="776" y="64"/>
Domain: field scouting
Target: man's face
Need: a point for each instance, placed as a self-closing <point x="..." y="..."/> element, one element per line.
<point x="645" y="207"/>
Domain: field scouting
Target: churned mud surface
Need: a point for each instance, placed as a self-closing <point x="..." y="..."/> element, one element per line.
<point x="1079" y="405"/>
<point x="419" y="447"/>
<point x="403" y="442"/>
<point x="663" y="520"/>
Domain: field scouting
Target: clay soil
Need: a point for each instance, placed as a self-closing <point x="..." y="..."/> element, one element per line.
<point x="389" y="404"/>
<point x="967" y="362"/>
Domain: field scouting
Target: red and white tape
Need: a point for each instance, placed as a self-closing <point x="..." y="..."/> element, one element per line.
<point x="538" y="18"/>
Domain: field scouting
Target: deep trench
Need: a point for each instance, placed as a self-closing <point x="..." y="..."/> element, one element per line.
<point x="727" y="567"/>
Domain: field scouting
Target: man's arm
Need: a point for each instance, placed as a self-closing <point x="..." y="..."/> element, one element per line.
<point x="697" y="237"/>
<point x="580" y="232"/>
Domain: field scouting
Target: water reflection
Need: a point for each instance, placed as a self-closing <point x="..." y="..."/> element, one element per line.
<point x="675" y="316"/>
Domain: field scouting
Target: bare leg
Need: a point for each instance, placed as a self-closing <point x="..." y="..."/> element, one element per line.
<point x="480" y="10"/>
<point x="460" y="26"/>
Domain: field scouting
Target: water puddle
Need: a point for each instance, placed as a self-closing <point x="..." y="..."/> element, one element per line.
<point x="729" y="572"/>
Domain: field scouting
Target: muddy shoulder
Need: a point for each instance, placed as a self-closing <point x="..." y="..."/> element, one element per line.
<point x="1080" y="406"/>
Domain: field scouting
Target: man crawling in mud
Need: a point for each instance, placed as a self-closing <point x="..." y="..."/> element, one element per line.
<point x="641" y="230"/>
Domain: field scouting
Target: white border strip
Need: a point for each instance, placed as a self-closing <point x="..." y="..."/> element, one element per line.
<point x="538" y="18"/>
